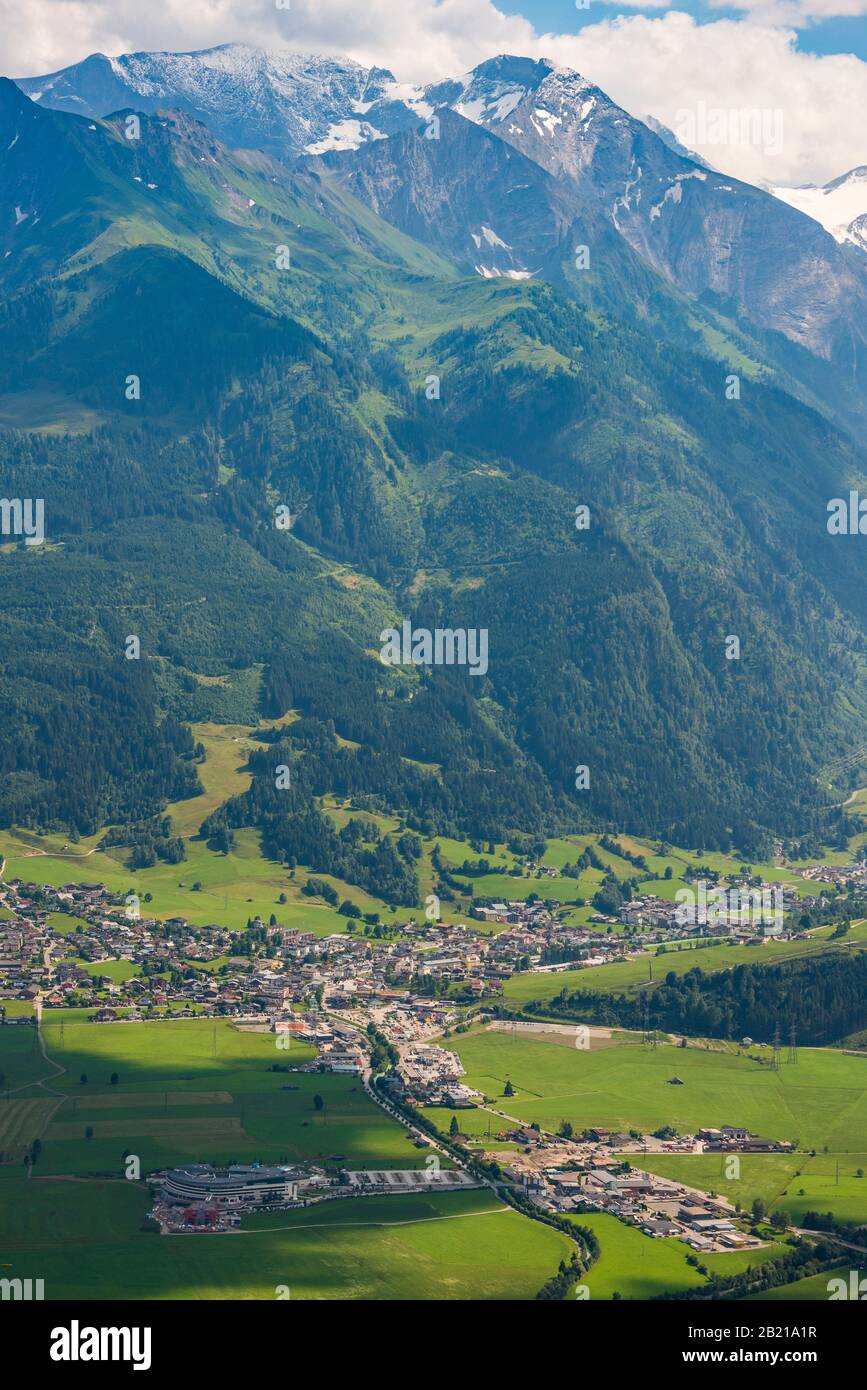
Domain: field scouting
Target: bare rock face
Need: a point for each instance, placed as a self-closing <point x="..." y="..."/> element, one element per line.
<point x="709" y="234"/>
<point x="466" y="193"/>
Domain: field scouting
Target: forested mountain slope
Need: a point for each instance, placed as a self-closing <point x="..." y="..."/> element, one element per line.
<point x="282" y="328"/>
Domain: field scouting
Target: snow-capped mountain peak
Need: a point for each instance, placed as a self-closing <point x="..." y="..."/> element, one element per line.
<point x="274" y="99"/>
<point x="488" y="93"/>
<point x="839" y="206"/>
<point x="511" y="135"/>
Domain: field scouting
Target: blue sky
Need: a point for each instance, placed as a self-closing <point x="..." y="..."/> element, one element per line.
<point x="843" y="34"/>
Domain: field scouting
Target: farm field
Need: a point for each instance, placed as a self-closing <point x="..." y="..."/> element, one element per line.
<point x="638" y="1266"/>
<point x="813" y="1290"/>
<point x="18" y="1008"/>
<point x="21" y="1122"/>
<point x="736" y="1261"/>
<point x="21" y="1062"/>
<point x="83" y="1239"/>
<point x="39" y="1215"/>
<point x="114" y="970"/>
<point x="635" y="1265"/>
<point x="819" y="1101"/>
<point x="795" y="1183"/>
<point x="200" y="1090"/>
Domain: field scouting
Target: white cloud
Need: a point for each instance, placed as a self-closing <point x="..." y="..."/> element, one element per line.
<point x="668" y="65"/>
<point x="424" y="38"/>
<point x="661" y="64"/>
<point x="798" y="13"/>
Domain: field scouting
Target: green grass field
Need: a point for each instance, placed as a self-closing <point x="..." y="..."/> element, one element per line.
<point x="635" y="1265"/>
<point x="20" y="1059"/>
<point x="820" y="1100"/>
<point x="66" y="923"/>
<point x="83" y="1239"/>
<point x="736" y="1261"/>
<point x="638" y="1266"/>
<point x="812" y="1290"/>
<point x="18" y="1008"/>
<point x="795" y="1183"/>
<point x="201" y="1090"/>
<point x="22" y="1121"/>
<point x="198" y="1090"/>
<point x="115" y="970"/>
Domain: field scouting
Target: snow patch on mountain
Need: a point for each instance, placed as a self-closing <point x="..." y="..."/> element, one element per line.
<point x="674" y="192"/>
<point x="495" y="273"/>
<point x="624" y="202"/>
<point x="409" y="95"/>
<point x="548" y="119"/>
<point x="492" y="91"/>
<point x="489" y="236"/>
<point x="345" y="135"/>
<point x="840" y="206"/>
<point x="586" y="109"/>
<point x="491" y="107"/>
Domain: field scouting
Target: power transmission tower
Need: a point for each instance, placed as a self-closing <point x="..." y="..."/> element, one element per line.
<point x="776" y="1062"/>
<point x="793" y="1048"/>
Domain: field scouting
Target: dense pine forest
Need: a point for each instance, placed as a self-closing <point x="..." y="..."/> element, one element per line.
<point x="823" y="998"/>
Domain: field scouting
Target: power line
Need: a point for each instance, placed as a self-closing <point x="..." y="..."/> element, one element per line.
<point x="793" y="1048"/>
